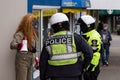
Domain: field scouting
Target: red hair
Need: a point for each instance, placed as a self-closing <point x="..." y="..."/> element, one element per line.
<point x="27" y="28"/>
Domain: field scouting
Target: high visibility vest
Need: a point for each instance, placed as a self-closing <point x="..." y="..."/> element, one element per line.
<point x="94" y="40"/>
<point x="62" y="49"/>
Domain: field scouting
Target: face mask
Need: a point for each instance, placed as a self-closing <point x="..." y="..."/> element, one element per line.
<point x="35" y="24"/>
<point x="84" y="28"/>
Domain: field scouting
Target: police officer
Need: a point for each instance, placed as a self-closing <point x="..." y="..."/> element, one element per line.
<point x="87" y="25"/>
<point x="60" y="58"/>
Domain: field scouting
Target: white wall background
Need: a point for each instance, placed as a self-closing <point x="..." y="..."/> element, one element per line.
<point x="11" y="12"/>
<point x="105" y="4"/>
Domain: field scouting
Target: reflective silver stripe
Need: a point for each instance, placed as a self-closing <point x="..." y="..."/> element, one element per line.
<point x="65" y="56"/>
<point x="49" y="49"/>
<point x="69" y="33"/>
<point x="69" y="46"/>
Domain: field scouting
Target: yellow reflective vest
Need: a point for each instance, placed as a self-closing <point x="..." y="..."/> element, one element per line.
<point x="62" y="49"/>
<point x="94" y="40"/>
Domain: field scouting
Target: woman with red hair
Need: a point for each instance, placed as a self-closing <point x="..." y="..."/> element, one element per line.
<point x="24" y="60"/>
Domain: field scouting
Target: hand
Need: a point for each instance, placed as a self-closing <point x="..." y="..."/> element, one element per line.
<point x="33" y="50"/>
<point x="37" y="63"/>
<point x="19" y="45"/>
<point x="90" y="67"/>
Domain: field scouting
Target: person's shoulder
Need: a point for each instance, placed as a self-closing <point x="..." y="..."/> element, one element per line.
<point x="77" y="35"/>
<point x="19" y="33"/>
<point x="95" y="35"/>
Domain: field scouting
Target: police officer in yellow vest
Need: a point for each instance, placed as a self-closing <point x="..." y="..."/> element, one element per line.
<point x="60" y="58"/>
<point x="87" y="25"/>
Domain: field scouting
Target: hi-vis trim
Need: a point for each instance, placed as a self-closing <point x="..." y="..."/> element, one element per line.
<point x="66" y="56"/>
<point x="49" y="49"/>
<point x="69" y="46"/>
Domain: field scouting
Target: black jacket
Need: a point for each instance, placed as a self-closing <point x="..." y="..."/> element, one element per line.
<point x="47" y="70"/>
<point x="108" y="36"/>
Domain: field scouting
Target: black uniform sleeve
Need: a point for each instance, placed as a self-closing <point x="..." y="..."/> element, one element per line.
<point x="43" y="63"/>
<point x="82" y="45"/>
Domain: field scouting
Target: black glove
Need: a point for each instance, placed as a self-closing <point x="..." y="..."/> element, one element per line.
<point x="33" y="50"/>
<point x="19" y="45"/>
<point x="90" y="67"/>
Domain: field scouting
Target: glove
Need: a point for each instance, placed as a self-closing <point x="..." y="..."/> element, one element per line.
<point x="37" y="63"/>
<point x="90" y="67"/>
<point x="19" y="45"/>
<point x="33" y="50"/>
